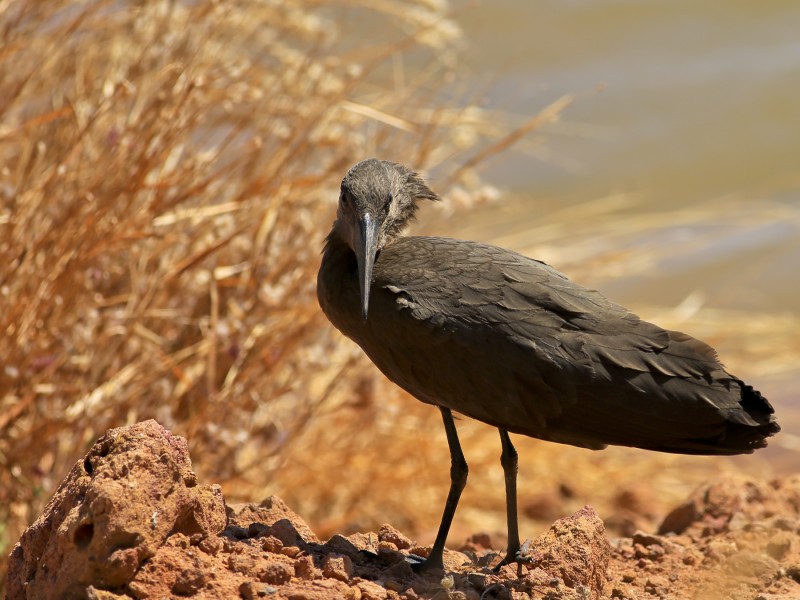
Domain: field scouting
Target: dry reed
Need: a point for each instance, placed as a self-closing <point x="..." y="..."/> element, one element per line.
<point x="169" y="170"/>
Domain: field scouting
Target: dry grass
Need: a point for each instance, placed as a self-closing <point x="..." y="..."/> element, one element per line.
<point x="169" y="171"/>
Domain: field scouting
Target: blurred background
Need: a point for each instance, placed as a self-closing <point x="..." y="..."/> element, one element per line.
<point x="168" y="172"/>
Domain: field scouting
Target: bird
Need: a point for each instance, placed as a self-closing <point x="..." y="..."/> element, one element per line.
<point x="508" y="340"/>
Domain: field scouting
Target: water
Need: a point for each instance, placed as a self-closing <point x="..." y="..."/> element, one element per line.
<point x="679" y="104"/>
<point x="687" y="115"/>
<point x="680" y="100"/>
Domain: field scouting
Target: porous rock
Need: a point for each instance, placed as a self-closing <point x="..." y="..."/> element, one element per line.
<point x="116" y="507"/>
<point x="576" y="551"/>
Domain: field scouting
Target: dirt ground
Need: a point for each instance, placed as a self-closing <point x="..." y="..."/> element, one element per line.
<point x="131" y="521"/>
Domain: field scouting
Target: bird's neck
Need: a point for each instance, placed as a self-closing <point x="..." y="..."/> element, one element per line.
<point x="335" y="243"/>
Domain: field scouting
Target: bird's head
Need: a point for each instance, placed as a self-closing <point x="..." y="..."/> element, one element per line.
<point x="378" y="198"/>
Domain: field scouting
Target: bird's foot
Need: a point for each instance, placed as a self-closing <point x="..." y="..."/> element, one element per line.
<point x="520" y="555"/>
<point x="506" y="561"/>
<point x="423" y="565"/>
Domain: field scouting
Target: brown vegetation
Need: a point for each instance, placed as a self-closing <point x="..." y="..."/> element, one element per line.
<point x="169" y="170"/>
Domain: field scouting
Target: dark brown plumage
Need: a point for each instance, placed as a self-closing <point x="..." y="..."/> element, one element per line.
<point x="509" y="341"/>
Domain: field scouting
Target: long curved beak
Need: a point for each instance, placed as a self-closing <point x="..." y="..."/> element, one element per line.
<point x="366" y="249"/>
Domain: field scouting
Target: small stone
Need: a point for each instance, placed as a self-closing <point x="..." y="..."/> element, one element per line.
<point x="793" y="571"/>
<point x="545" y="506"/>
<point x="250" y="590"/>
<point x="338" y="567"/>
<point x="371" y="591"/>
<point x="656" y="583"/>
<point x="290" y="551"/>
<point x="304" y="568"/>
<point x="189" y="582"/>
<point x="389" y="534"/>
<point x="353" y="593"/>
<point x="271" y="544"/>
<point x="780" y="544"/>
<point x="680" y="519"/>
<point x="179" y="540"/>
<point x="211" y="545"/>
<point x="628" y="577"/>
<point x="276" y="573"/>
<point x="751" y="564"/>
<point x="645" y="539"/>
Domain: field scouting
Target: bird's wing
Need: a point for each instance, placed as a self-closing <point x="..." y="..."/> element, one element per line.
<point x="543" y="340"/>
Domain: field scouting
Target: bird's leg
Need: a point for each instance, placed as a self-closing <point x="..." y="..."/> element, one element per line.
<point x="508" y="459"/>
<point x="458" y="479"/>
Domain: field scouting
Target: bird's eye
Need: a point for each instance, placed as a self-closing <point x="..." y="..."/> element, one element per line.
<point x="344" y="198"/>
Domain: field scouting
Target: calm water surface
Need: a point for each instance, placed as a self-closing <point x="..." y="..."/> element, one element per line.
<point x="685" y="133"/>
<point x="679" y="105"/>
<point x="698" y="99"/>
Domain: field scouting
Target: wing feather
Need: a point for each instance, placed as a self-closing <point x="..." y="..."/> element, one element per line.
<point x="511" y="341"/>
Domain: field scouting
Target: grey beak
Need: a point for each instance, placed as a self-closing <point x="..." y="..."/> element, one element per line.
<point x="366" y="248"/>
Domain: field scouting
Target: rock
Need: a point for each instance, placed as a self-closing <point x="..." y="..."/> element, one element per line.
<point x="130" y="521"/>
<point x="280" y="521"/>
<point x="656" y="585"/>
<point x="116" y="507"/>
<point x="353" y="544"/>
<point x="371" y="591"/>
<point x="271" y="544"/>
<point x="712" y="507"/>
<point x="389" y="534"/>
<point x="454" y="560"/>
<point x="745" y="563"/>
<point x="250" y="590"/>
<point x="780" y="545"/>
<point x="92" y="593"/>
<point x="575" y="550"/>
<point x="338" y="567"/>
<point x="304" y="568"/>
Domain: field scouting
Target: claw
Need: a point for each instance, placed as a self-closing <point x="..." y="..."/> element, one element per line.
<point x="421" y="565"/>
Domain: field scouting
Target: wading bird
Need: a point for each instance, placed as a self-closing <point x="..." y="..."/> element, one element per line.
<point x="510" y="341"/>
